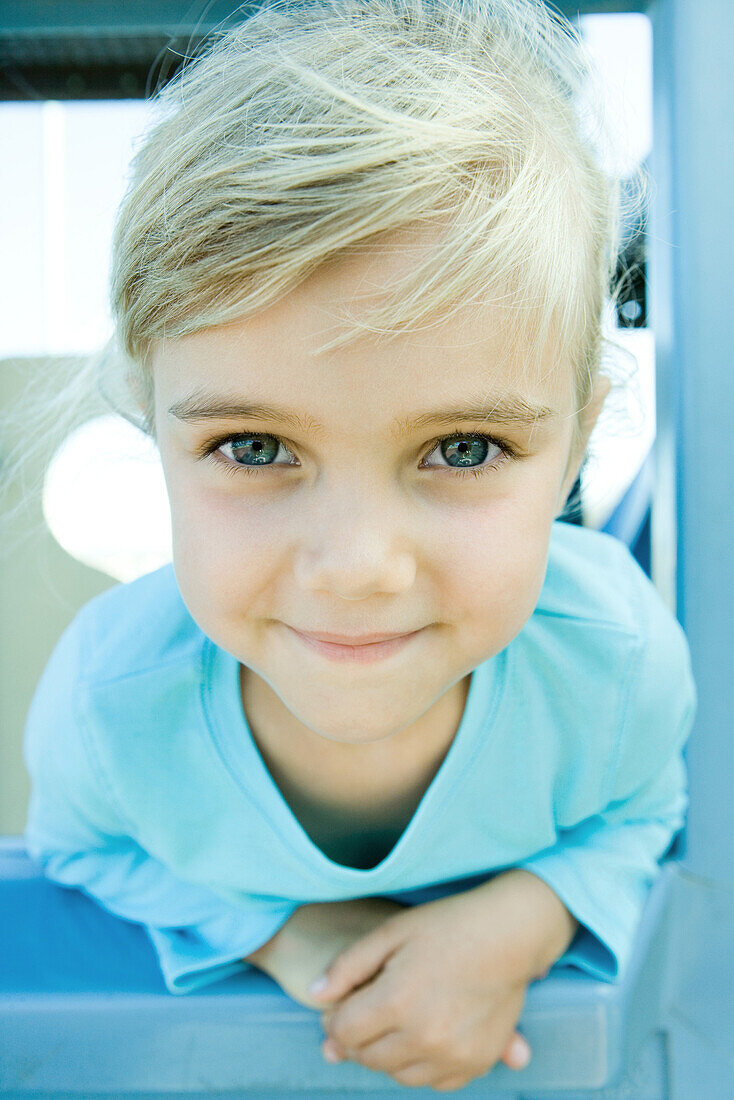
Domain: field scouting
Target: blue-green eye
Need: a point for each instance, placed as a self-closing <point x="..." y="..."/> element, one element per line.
<point x="467" y="452"/>
<point x="254" y="450"/>
<point x="464" y="450"/>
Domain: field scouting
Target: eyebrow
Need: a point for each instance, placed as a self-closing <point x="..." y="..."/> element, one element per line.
<point x="509" y="410"/>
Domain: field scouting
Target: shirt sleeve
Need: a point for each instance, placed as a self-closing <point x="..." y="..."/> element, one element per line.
<point x="603" y="868"/>
<point x="80" y="838"/>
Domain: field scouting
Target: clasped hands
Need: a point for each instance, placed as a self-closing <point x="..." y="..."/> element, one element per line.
<point x="431" y="996"/>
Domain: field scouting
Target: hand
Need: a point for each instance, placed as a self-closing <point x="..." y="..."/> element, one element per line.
<point x="313" y="936"/>
<point x="432" y="996"/>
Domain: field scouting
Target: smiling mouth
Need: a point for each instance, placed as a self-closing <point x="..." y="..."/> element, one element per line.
<point x="361" y="651"/>
<point x="352" y="639"/>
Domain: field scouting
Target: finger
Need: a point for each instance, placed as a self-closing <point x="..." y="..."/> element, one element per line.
<point x="332" y="1052"/>
<point x="418" y="1073"/>
<point x="389" y="1053"/>
<point x="356" y="964"/>
<point x="364" y="1016"/>
<point x="451" y="1084"/>
<point x="517" y="1053"/>
<point x="393" y="1051"/>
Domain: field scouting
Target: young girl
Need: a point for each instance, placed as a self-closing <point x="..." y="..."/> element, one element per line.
<point x="385" y="729"/>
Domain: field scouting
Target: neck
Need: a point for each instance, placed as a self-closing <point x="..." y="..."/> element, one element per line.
<point x="284" y="741"/>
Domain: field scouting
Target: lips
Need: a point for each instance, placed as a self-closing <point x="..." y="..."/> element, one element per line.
<point x="352" y="639"/>
<point x="359" y="651"/>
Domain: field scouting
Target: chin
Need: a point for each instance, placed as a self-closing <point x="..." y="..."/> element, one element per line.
<point x="349" y="734"/>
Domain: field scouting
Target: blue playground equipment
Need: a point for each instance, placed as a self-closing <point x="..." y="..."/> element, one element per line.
<point x="83" y="1009"/>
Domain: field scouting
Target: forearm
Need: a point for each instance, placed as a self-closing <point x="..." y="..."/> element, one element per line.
<point x="282" y="942"/>
<point x="264" y="953"/>
<point x="314" y="935"/>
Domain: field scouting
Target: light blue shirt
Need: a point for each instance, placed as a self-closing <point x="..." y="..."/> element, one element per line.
<point x="149" y="792"/>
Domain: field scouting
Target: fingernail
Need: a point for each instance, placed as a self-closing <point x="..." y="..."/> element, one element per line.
<point x="330" y="1055"/>
<point x="520" y="1051"/>
<point x="318" y="985"/>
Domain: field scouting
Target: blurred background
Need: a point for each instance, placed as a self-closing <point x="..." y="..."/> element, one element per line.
<point x="74" y="102"/>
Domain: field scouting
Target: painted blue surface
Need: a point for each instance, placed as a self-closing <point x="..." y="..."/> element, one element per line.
<point x="83" y="1009"/>
<point x="691" y="271"/>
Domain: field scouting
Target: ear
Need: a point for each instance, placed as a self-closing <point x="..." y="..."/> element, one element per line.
<point x="587" y="419"/>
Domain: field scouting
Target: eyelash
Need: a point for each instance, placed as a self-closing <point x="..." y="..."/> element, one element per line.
<point x="211" y="446"/>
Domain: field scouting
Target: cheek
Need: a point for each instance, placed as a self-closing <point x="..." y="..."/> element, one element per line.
<point x="496" y="563"/>
<point x="225" y="552"/>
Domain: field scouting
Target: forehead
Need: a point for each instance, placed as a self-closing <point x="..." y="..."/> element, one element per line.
<point x="477" y="354"/>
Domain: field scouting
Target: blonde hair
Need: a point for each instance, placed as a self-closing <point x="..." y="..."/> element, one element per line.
<point x="315" y="127"/>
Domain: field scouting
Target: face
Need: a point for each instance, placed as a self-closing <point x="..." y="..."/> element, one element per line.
<point x="345" y="508"/>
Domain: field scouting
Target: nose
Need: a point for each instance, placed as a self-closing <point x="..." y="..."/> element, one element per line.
<point x="356" y="547"/>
